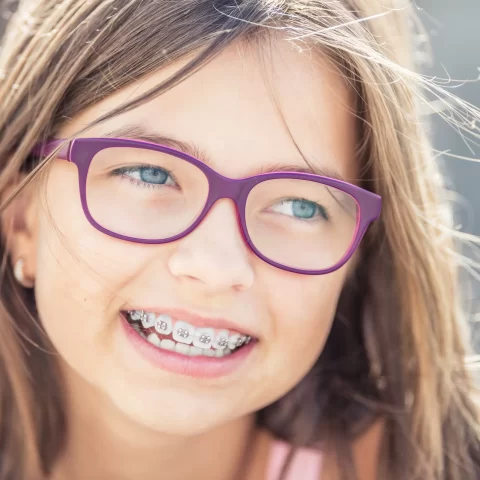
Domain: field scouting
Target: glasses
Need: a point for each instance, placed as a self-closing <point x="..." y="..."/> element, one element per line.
<point x="147" y="193"/>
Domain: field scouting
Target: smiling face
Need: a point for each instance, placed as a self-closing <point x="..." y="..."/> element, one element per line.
<point x="84" y="278"/>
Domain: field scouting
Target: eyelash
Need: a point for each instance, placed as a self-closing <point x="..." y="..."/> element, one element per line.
<point x="121" y="172"/>
<point x="324" y="212"/>
<point x="139" y="183"/>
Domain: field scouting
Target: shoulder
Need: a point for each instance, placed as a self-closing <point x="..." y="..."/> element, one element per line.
<point x="305" y="463"/>
<point x="313" y="464"/>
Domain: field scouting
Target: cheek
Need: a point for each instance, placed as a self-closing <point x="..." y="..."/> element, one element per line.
<point x="73" y="253"/>
<point x="303" y="308"/>
<point x="82" y="275"/>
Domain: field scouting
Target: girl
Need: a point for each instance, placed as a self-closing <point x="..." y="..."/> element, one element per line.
<point x="226" y="252"/>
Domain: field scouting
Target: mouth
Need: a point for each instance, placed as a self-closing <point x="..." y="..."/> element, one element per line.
<point x="171" y="334"/>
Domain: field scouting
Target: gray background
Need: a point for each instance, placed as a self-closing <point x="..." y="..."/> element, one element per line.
<point x="454" y="31"/>
<point x="453" y="26"/>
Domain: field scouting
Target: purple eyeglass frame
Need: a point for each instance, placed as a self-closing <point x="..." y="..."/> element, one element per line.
<point x="81" y="152"/>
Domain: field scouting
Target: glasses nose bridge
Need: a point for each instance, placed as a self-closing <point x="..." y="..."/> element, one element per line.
<point x="236" y="190"/>
<point x="221" y="187"/>
<point x="224" y="187"/>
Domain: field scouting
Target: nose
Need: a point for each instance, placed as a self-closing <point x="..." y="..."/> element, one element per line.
<point x="214" y="257"/>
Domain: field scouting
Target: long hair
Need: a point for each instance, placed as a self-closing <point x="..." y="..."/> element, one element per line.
<point x="397" y="347"/>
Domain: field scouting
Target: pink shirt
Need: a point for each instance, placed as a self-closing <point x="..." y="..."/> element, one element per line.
<point x="306" y="463"/>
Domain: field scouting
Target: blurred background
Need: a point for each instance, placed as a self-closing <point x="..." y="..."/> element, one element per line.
<point x="453" y="29"/>
<point x="454" y="33"/>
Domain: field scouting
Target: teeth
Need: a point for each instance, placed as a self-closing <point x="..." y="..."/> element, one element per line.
<point x="164" y="324"/>
<point x="233" y="340"/>
<point x="135" y="315"/>
<point x="182" y="348"/>
<point x="167" y="344"/>
<point x="203" y="337"/>
<point x="153" y="338"/>
<point x="221" y="340"/>
<point x="195" y="351"/>
<point x="148" y="320"/>
<point x="183" y="332"/>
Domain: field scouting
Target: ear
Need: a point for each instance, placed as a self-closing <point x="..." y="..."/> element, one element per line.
<point x="19" y="222"/>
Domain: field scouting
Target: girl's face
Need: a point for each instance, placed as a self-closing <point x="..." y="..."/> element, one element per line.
<point x="84" y="279"/>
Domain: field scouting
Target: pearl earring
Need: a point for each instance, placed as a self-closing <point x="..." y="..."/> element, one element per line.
<point x="18" y="272"/>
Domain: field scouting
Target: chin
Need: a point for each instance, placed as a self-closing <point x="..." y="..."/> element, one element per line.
<point x="184" y="415"/>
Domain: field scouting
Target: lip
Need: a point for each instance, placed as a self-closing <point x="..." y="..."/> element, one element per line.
<point x="198" y="320"/>
<point x="197" y="367"/>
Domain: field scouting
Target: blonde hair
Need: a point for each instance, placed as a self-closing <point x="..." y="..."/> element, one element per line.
<point x="397" y="349"/>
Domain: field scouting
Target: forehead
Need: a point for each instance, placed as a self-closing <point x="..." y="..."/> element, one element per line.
<point x="248" y="109"/>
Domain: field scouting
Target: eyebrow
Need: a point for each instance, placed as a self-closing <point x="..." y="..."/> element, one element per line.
<point x="140" y="132"/>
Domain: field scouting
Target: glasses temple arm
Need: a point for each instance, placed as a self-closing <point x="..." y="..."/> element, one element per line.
<point x="46" y="149"/>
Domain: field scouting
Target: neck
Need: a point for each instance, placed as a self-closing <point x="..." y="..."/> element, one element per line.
<point x="103" y="444"/>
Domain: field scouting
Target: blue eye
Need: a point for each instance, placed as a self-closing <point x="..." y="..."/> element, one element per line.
<point x="146" y="174"/>
<point x="304" y="209"/>
<point x="301" y="209"/>
<point x="153" y="175"/>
